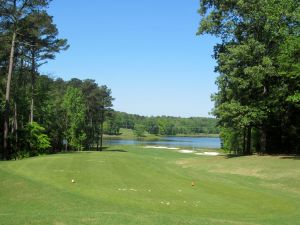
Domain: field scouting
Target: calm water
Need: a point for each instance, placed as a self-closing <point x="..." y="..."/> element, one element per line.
<point x="192" y="142"/>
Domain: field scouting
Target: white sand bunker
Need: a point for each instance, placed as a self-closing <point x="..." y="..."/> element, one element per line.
<point x="208" y="153"/>
<point x="125" y="189"/>
<point x="159" y="147"/>
<point x="186" y="151"/>
<point x="165" y="203"/>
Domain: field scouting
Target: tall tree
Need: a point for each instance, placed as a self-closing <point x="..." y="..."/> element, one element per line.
<point x="40" y="43"/>
<point x="91" y="94"/>
<point x="253" y="96"/>
<point x="75" y="108"/>
<point x="12" y="11"/>
<point x="104" y="107"/>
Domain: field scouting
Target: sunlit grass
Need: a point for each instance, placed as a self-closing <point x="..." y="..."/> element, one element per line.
<point x="133" y="185"/>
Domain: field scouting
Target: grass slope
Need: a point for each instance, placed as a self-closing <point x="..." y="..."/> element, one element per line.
<point x="132" y="185"/>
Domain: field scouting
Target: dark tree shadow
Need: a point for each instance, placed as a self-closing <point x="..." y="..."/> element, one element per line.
<point x="115" y="150"/>
<point x="230" y="156"/>
<point x="295" y="157"/>
<point x="94" y="149"/>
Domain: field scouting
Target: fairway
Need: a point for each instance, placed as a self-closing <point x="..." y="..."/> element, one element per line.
<point x="133" y="185"/>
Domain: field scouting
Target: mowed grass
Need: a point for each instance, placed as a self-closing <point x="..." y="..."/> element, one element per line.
<point x="132" y="185"/>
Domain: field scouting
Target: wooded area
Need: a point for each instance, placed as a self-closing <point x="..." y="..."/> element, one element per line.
<point x="258" y="59"/>
<point x="40" y="114"/>
<point x="257" y="104"/>
<point x="160" y="125"/>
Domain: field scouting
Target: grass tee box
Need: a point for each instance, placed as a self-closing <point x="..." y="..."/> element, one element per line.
<point x="133" y="185"/>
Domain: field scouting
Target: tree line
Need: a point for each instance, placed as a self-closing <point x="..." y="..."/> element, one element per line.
<point x="258" y="61"/>
<point x="160" y="125"/>
<point x="40" y="114"/>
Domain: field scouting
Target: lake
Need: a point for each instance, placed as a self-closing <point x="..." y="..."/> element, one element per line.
<point x="191" y="142"/>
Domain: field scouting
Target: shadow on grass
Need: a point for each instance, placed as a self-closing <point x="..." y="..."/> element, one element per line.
<point x="107" y="149"/>
<point x="71" y="152"/>
<point x="230" y="156"/>
<point x="295" y="157"/>
<point x="91" y="150"/>
<point x="115" y="150"/>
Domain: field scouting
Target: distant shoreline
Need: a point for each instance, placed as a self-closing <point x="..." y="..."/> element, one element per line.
<point x="198" y="135"/>
<point x="158" y="137"/>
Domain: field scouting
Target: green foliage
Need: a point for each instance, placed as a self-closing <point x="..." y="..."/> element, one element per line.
<point x="295" y="98"/>
<point x="230" y="138"/>
<point x="39" y="38"/>
<point x="111" y="126"/>
<point x="75" y="117"/>
<point x="165" y="125"/>
<point x="75" y="109"/>
<point x="139" y="130"/>
<point x="258" y="64"/>
<point x="37" y="140"/>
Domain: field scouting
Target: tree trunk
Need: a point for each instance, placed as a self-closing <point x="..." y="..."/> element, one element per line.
<point x="31" y="110"/>
<point x="16" y="126"/>
<point x="263" y="142"/>
<point x="244" y="141"/>
<point x="101" y="136"/>
<point x="32" y="86"/>
<point x="97" y="140"/>
<point x="101" y="127"/>
<point x="93" y="135"/>
<point x="248" y="149"/>
<point x="7" y="98"/>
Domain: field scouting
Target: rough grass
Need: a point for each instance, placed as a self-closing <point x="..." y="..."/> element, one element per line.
<point x="132" y="185"/>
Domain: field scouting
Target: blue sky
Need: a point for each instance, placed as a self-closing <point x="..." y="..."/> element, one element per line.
<point x="147" y="52"/>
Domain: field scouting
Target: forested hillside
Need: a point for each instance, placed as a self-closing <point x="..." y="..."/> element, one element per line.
<point x="161" y="125"/>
